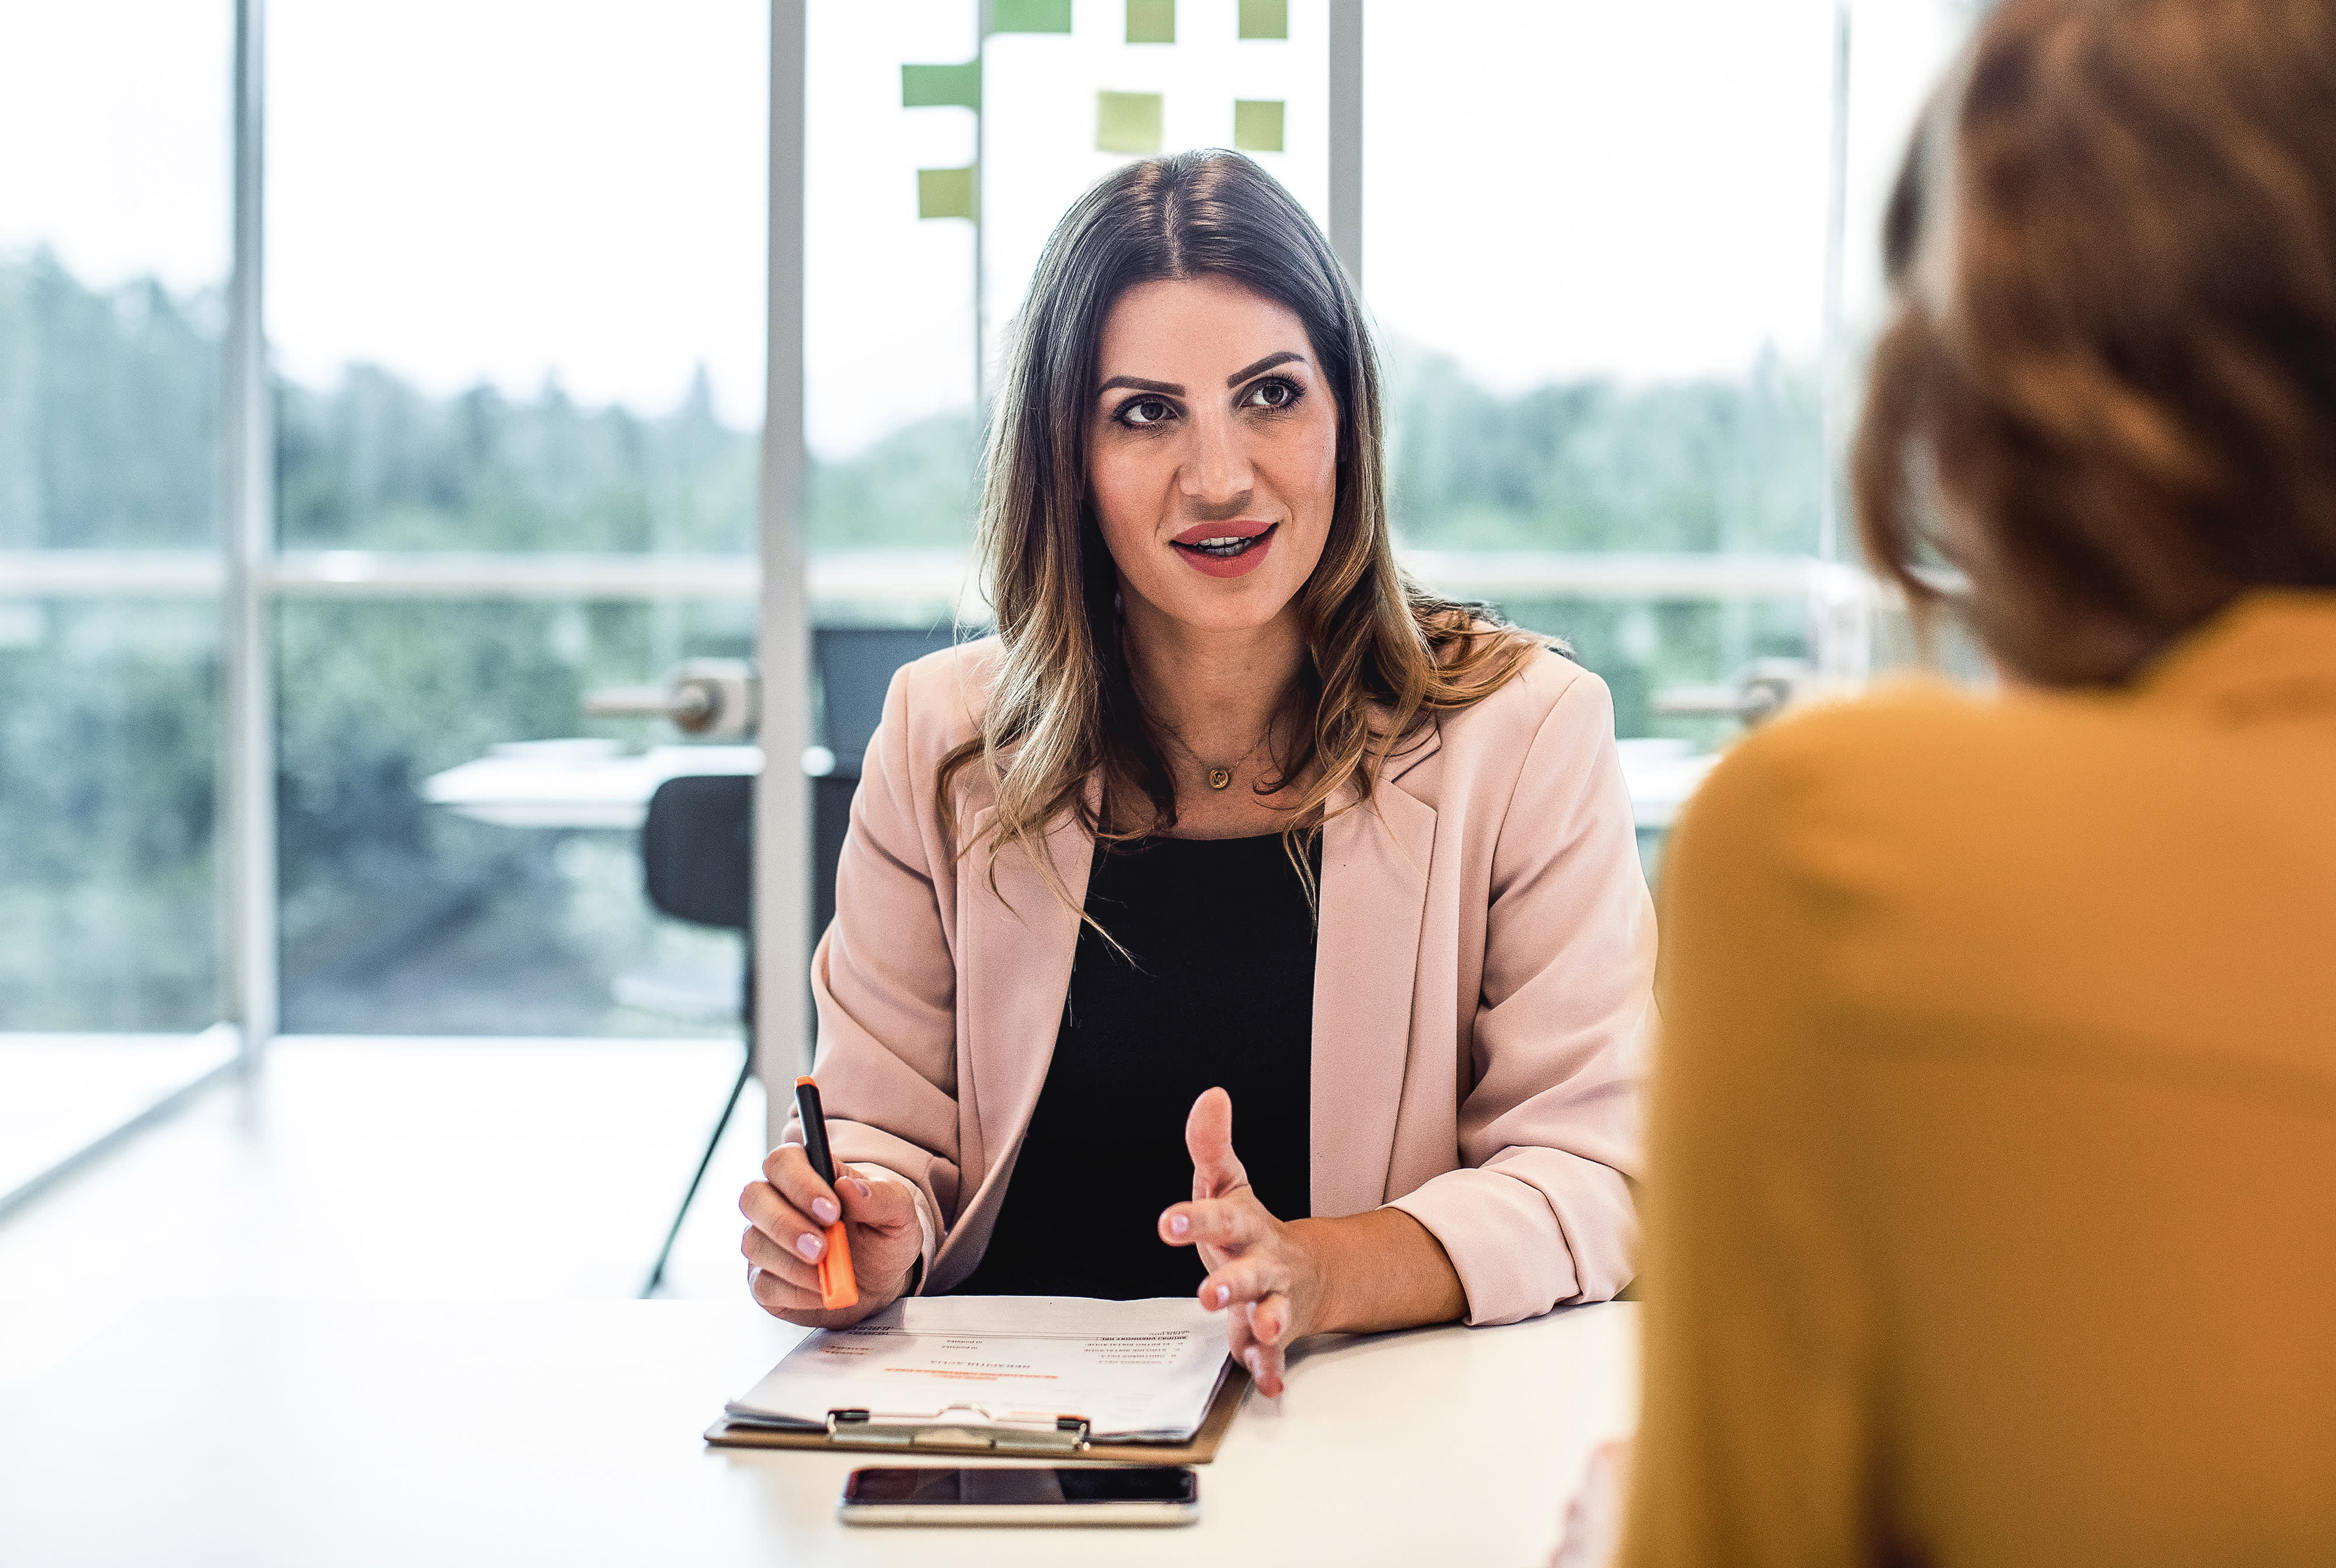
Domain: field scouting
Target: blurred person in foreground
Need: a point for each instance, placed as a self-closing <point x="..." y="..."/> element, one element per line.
<point x="1993" y="1163"/>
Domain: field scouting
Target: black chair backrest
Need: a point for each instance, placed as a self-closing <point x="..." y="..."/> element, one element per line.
<point x="855" y="665"/>
<point x="698" y="850"/>
<point x="697" y="844"/>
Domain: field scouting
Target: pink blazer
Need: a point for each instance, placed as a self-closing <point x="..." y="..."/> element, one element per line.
<point x="1482" y="971"/>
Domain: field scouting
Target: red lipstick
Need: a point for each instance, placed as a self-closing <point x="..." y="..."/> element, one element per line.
<point x="1226" y="549"/>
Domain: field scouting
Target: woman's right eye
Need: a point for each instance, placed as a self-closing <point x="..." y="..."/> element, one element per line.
<point x="1145" y="411"/>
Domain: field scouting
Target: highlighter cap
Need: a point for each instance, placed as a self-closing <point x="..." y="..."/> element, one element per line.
<point x="814" y="1130"/>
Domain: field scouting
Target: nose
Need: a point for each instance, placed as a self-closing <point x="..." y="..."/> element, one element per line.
<point x="1217" y="477"/>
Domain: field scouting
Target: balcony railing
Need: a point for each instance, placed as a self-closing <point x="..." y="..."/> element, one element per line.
<point x="915" y="584"/>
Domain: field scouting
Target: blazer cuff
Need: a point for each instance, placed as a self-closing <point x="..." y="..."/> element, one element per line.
<point x="927" y="1234"/>
<point x="1504" y="1238"/>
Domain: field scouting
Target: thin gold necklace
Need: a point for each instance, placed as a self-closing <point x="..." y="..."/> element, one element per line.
<point x="1222" y="777"/>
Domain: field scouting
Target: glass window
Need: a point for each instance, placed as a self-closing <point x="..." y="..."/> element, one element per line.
<point x="1898" y="51"/>
<point x="114" y="174"/>
<point x="108" y="719"/>
<point x="1595" y="240"/>
<point x="939" y="160"/>
<point x="1600" y="243"/>
<point x="413" y="904"/>
<point x="515" y="272"/>
<point x="888" y="324"/>
<point x="113" y="250"/>
<point x="516" y="294"/>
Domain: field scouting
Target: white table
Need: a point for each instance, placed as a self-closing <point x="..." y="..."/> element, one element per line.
<point x="596" y="784"/>
<point x="1660" y="775"/>
<point x="575" y="783"/>
<point x="263" y="1433"/>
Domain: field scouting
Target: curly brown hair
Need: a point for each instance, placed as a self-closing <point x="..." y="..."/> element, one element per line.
<point x="2109" y="391"/>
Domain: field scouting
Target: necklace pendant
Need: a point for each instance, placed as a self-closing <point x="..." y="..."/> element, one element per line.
<point x="1219" y="777"/>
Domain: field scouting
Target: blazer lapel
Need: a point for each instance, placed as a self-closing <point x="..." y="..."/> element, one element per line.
<point x="1012" y="977"/>
<point x="1375" y="862"/>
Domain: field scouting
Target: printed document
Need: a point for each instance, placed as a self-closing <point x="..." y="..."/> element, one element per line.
<point x="1140" y="1371"/>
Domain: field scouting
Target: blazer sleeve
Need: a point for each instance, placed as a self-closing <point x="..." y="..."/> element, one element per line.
<point x="1542" y="1214"/>
<point x="884" y="980"/>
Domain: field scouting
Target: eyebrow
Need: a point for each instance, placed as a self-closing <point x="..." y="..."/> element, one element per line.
<point x="1267" y="363"/>
<point x="1176" y="389"/>
<point x="1138" y="383"/>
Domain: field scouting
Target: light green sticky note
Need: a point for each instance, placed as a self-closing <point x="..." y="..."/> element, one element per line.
<point x="1127" y="122"/>
<point x="1029" y="15"/>
<point x="1257" y="125"/>
<point x="946" y="192"/>
<point x="937" y="86"/>
<point x="1265" y="18"/>
<point x="1151" y="21"/>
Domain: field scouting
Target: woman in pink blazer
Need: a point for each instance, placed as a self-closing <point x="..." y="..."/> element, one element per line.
<point x="1230" y="818"/>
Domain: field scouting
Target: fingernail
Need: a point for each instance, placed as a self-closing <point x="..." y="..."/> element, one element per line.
<point x="809" y="1246"/>
<point x="1256" y="1362"/>
<point x="1225" y="1294"/>
<point x="860" y="1189"/>
<point x="1179" y="1225"/>
<point x="824" y="1211"/>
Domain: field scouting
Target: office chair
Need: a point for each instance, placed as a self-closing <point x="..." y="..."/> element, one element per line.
<point x="697" y="858"/>
<point x="698" y="845"/>
<point x="854" y="667"/>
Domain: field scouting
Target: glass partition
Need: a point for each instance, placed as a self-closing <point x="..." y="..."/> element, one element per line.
<point x="1595" y="240"/>
<point x="1622" y="258"/>
<point x="108" y="748"/>
<point x="515" y="271"/>
<point x="115" y="164"/>
<point x="420" y="895"/>
<point x="887" y="325"/>
<point x="1898" y="51"/>
<point x="516" y="300"/>
<point x="939" y="157"/>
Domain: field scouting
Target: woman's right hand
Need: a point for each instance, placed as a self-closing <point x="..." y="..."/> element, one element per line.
<point x="791" y="1209"/>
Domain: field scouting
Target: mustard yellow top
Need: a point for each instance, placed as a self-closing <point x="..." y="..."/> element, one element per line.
<point x="1992" y="1204"/>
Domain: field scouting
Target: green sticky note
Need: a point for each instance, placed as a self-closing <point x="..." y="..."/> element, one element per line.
<point x="946" y="192"/>
<point x="1127" y="122"/>
<point x="1151" y="21"/>
<point x="1029" y="15"/>
<point x="1265" y="18"/>
<point x="936" y="86"/>
<point x="1257" y="126"/>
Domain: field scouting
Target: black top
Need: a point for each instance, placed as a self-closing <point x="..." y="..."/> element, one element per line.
<point x="1221" y="994"/>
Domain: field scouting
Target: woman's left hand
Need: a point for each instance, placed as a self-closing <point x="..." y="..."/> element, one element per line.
<point x="1262" y="1273"/>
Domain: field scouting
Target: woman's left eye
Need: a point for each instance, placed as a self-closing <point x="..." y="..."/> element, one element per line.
<point x="1275" y="393"/>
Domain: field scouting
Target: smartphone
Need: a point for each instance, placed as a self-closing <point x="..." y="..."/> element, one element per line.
<point x="1023" y="1494"/>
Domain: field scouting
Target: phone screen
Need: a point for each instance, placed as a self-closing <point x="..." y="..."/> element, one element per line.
<point x="1036" y="1485"/>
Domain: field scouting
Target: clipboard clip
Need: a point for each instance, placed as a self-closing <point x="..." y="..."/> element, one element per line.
<point x="966" y="1427"/>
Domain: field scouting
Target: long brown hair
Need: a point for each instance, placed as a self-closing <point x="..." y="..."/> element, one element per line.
<point x="1383" y="655"/>
<point x="2113" y="359"/>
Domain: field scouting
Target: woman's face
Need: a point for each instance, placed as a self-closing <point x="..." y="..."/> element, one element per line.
<point x="1213" y="457"/>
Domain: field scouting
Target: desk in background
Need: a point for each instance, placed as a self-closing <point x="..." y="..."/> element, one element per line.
<point x="595" y="783"/>
<point x="248" y="1433"/>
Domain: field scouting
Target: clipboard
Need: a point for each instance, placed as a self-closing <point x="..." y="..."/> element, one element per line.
<point x="949" y="1432"/>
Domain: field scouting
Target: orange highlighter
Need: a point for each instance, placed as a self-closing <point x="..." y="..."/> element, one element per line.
<point x="837" y="1288"/>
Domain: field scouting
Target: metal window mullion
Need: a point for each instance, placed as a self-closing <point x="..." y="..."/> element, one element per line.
<point x="782" y="935"/>
<point x="1347" y="136"/>
<point x="1841" y="594"/>
<point x="247" y="814"/>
